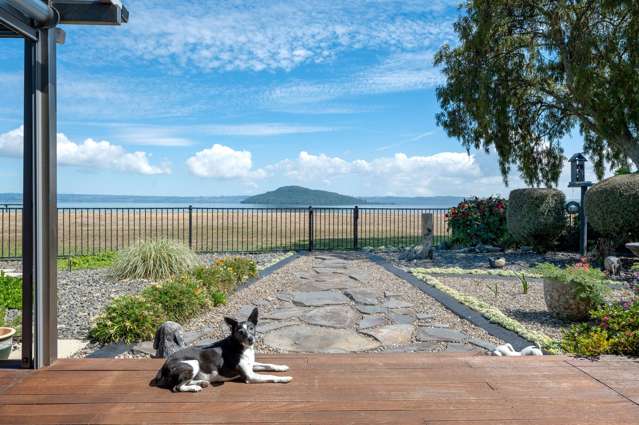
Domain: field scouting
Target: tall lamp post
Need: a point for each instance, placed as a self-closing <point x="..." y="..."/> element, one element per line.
<point x="578" y="179"/>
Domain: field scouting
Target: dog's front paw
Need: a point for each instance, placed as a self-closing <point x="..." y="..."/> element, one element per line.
<point x="285" y="379"/>
<point x="204" y="384"/>
<point x="281" y="368"/>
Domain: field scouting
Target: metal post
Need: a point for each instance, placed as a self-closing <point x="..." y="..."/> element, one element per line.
<point x="191" y="226"/>
<point x="355" y="227"/>
<point x="46" y="221"/>
<point x="28" y="219"/>
<point x="310" y="228"/>
<point x="583" y="224"/>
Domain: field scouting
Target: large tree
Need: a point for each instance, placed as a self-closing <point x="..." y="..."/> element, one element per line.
<point x="527" y="72"/>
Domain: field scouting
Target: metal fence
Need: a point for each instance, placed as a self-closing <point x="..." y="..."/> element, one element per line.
<point x="86" y="231"/>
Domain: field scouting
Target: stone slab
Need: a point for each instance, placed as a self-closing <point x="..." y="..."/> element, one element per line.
<point x="440" y="334"/>
<point x="455" y="347"/>
<point x="401" y="319"/>
<point x="396" y="303"/>
<point x="372" y="321"/>
<point x="317" y="339"/>
<point x="268" y="326"/>
<point x="285" y="296"/>
<point x="370" y="309"/>
<point x="284" y="313"/>
<point x="319" y="298"/>
<point x="392" y="334"/>
<point x="363" y="296"/>
<point x="337" y="316"/>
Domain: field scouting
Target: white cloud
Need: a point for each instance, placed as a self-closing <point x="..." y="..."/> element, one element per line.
<point x="223" y="162"/>
<point x="271" y="35"/>
<point x="89" y="154"/>
<point x="445" y="172"/>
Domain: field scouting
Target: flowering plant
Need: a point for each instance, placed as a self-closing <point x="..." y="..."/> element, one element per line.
<point x="478" y="221"/>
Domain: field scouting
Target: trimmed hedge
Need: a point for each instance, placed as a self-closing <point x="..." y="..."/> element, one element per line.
<point x="612" y="206"/>
<point x="536" y="216"/>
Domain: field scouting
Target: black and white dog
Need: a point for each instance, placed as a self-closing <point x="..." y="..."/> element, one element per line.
<point x="233" y="357"/>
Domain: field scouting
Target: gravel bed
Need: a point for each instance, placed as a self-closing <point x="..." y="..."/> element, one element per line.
<point x="263" y="294"/>
<point x="515" y="260"/>
<point x="530" y="309"/>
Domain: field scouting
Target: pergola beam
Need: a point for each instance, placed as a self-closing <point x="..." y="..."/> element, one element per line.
<point x="11" y="21"/>
<point x="91" y="12"/>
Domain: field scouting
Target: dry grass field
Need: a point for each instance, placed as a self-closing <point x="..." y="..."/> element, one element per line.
<point x="89" y="231"/>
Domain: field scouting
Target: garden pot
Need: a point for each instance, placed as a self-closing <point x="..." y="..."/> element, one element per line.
<point x="6" y="341"/>
<point x="561" y="300"/>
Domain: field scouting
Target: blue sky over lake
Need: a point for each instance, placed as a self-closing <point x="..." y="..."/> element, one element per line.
<point x="239" y="97"/>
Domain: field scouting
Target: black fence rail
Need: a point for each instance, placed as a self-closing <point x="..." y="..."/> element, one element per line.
<point x="87" y="231"/>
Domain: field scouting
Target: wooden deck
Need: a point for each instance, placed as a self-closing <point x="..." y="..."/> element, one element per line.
<point x="337" y="389"/>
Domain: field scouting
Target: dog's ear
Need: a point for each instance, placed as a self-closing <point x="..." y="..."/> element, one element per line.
<point x="253" y="317"/>
<point x="231" y="322"/>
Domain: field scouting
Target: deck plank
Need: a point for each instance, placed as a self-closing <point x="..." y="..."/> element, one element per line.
<point x="398" y="388"/>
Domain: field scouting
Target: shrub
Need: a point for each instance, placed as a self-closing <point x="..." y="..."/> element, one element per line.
<point x="10" y="292"/>
<point x="97" y="261"/>
<point x="127" y="319"/>
<point x="478" y="221"/>
<point x="154" y="260"/>
<point x="536" y="217"/>
<point x="215" y="279"/>
<point x="242" y="268"/>
<point x="614" y="330"/>
<point x="180" y="299"/>
<point x="612" y="206"/>
<point x="589" y="284"/>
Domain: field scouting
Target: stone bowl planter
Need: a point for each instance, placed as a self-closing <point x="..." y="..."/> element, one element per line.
<point x="561" y="300"/>
<point x="6" y="341"/>
<point x="633" y="247"/>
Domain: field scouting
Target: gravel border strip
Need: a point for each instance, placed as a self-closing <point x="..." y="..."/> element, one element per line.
<point x="455" y="306"/>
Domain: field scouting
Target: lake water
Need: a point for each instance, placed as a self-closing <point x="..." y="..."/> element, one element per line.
<point x="223" y="205"/>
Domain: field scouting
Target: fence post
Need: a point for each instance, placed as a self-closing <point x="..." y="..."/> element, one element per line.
<point x="355" y="227"/>
<point x="427" y="235"/>
<point x="190" y="226"/>
<point x="310" y="228"/>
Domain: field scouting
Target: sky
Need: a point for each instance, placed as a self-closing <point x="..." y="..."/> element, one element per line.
<point x="205" y="98"/>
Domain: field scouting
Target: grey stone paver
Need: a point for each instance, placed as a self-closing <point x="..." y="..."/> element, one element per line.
<point x="267" y="326"/>
<point x="284" y="313"/>
<point x="332" y="316"/>
<point x="319" y="298"/>
<point x="363" y="296"/>
<point x="371" y="321"/>
<point x="317" y="339"/>
<point x="396" y="303"/>
<point x="402" y="319"/>
<point x="370" y="309"/>
<point x="440" y="334"/>
<point x="392" y="334"/>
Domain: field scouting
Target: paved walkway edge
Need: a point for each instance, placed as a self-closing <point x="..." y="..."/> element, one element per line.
<point x="453" y="305"/>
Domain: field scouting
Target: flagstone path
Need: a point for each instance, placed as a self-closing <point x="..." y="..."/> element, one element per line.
<point x="333" y="308"/>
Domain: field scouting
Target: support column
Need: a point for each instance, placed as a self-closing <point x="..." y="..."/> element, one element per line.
<point x="44" y="200"/>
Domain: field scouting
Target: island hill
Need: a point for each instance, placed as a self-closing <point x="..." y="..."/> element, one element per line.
<point x="297" y="195"/>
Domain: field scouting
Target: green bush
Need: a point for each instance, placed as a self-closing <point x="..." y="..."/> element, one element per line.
<point x="614" y="330"/>
<point x="97" y="261"/>
<point x="10" y="292"/>
<point x="589" y="284"/>
<point x="154" y="260"/>
<point x="478" y="221"/>
<point x="127" y="319"/>
<point x="536" y="216"/>
<point x="242" y="268"/>
<point x="612" y="207"/>
<point x="180" y="299"/>
<point x="216" y="279"/>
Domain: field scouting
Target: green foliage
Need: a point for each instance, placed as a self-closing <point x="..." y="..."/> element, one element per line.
<point x="154" y="260"/>
<point x="127" y="319"/>
<point x="135" y="318"/>
<point x="612" y="206"/>
<point x="180" y="299"/>
<point x="10" y="292"/>
<point x="524" y="282"/>
<point x="589" y="284"/>
<point x="536" y="216"/>
<point x="478" y="221"/>
<point x="97" y="261"/>
<point x="614" y="330"/>
<point x="524" y="74"/>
